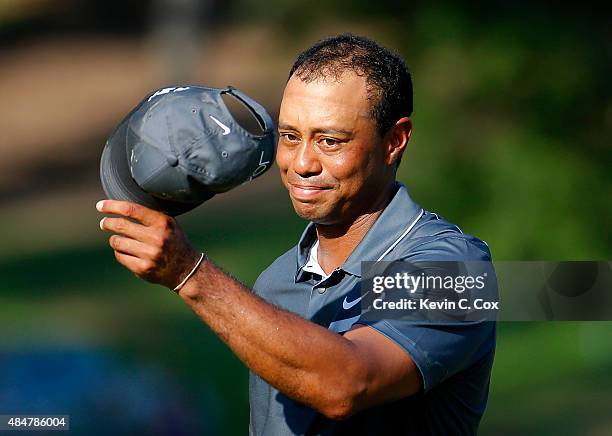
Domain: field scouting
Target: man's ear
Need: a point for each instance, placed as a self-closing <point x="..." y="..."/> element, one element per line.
<point x="397" y="139"/>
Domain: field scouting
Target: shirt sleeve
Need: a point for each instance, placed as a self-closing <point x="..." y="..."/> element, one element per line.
<point x="441" y="349"/>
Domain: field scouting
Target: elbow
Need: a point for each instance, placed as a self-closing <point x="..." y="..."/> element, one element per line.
<point x="344" y="398"/>
<point x="338" y="412"/>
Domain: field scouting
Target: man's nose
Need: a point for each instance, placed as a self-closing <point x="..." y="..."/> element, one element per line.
<point x="306" y="161"/>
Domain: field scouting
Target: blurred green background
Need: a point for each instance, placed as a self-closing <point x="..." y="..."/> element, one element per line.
<point x="513" y="121"/>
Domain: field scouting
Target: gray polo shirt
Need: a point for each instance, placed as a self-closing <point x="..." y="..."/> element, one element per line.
<point x="454" y="358"/>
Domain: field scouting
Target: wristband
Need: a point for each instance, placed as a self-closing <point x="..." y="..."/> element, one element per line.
<point x="180" y="285"/>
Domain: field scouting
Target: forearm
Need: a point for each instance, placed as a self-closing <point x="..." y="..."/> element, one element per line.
<point x="303" y="360"/>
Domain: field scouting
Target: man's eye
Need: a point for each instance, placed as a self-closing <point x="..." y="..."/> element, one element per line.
<point x="329" y="142"/>
<point x="289" y="137"/>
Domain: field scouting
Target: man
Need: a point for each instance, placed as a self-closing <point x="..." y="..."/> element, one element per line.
<point x="316" y="368"/>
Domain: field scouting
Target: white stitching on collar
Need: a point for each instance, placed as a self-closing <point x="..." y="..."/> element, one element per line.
<point x="401" y="236"/>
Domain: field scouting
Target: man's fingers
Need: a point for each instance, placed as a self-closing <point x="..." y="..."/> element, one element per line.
<point x="123" y="226"/>
<point x="133" y="247"/>
<point x="147" y="242"/>
<point x="138" y="266"/>
<point x="131" y="210"/>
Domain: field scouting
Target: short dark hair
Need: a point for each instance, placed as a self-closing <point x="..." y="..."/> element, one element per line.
<point x="387" y="77"/>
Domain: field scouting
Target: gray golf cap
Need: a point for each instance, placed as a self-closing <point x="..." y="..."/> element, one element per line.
<point x="181" y="145"/>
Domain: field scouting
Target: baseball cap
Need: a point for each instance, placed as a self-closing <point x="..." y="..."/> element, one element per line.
<point x="181" y="145"/>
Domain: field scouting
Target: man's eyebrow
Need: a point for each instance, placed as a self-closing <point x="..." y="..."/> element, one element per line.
<point x="328" y="130"/>
<point x="334" y="131"/>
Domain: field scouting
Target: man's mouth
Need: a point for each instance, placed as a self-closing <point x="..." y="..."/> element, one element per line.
<point x="305" y="191"/>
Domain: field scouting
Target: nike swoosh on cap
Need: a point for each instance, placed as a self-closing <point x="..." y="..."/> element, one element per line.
<point x="226" y="130"/>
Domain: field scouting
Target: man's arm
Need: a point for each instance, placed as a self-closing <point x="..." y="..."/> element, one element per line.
<point x="336" y="375"/>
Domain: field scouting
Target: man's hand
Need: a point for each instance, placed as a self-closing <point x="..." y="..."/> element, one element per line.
<point x="149" y="243"/>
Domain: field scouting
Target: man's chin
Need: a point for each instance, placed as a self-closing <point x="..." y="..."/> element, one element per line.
<point x="316" y="216"/>
<point x="309" y="211"/>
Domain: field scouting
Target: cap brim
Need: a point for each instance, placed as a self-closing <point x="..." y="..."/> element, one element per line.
<point x="117" y="180"/>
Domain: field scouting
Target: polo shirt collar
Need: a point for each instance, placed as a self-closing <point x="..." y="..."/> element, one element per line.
<point x="394" y="224"/>
<point x="308" y="238"/>
<point x="313" y="265"/>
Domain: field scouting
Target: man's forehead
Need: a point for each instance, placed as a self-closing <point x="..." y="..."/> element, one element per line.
<point x="328" y="95"/>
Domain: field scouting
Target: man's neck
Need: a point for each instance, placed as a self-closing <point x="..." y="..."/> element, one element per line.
<point x="337" y="242"/>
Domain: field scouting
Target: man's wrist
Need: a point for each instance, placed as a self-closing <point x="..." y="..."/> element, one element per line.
<point x="190" y="273"/>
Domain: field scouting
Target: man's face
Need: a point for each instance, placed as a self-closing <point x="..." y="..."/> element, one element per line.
<point x="330" y="155"/>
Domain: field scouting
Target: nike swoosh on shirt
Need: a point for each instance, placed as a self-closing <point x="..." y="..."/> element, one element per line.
<point x="346" y="305"/>
<point x="226" y="129"/>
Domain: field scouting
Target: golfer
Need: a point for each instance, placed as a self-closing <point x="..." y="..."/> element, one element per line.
<point x="315" y="367"/>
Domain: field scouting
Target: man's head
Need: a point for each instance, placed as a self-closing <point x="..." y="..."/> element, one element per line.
<point x="344" y="124"/>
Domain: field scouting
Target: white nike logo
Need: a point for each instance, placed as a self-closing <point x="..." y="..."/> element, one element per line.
<point x="346" y="305"/>
<point x="226" y="129"/>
